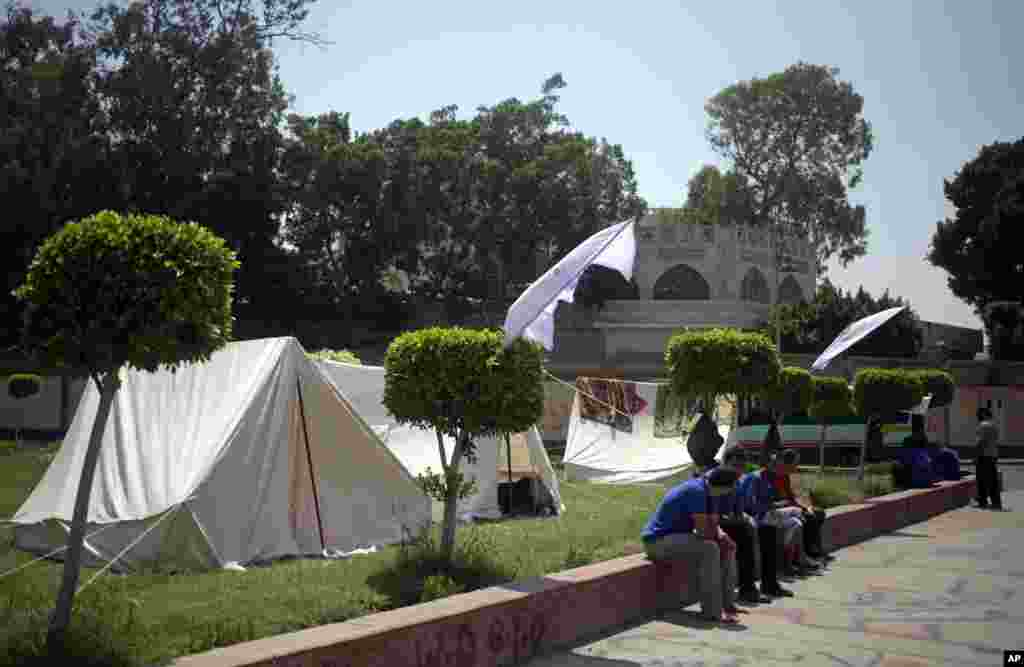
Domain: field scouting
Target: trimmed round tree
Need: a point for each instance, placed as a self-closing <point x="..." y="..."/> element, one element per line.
<point x="462" y="383"/>
<point x="941" y="386"/>
<point x="340" y="356"/>
<point x="718" y="362"/>
<point x="792" y="393"/>
<point x="832" y="399"/>
<point x="21" y="386"/>
<point x="121" y="291"/>
<point x="878" y="392"/>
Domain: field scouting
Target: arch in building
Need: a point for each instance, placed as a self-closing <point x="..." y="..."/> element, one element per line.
<point x="755" y="287"/>
<point x="682" y="282"/>
<point x="789" y="291"/>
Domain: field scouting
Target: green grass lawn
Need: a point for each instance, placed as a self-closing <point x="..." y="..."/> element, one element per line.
<point x="145" y="619"/>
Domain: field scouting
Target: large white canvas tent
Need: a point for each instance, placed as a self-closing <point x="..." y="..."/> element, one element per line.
<point x="251" y="456"/>
<point x="417" y="448"/>
<point x="629" y="444"/>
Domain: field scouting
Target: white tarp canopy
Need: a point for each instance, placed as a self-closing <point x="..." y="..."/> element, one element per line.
<point x="251" y="456"/>
<point x="417" y="448"/>
<point x="853" y="333"/>
<point x="533" y="313"/>
<point x="628" y="452"/>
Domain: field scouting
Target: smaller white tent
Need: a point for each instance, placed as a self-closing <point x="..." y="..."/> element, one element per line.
<point x="417" y="448"/>
<point x="251" y="456"/>
<point x="625" y="450"/>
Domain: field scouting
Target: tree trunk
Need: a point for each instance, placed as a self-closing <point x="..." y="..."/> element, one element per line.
<point x="451" y="501"/>
<point x="945" y="424"/>
<point x="108" y="386"/>
<point x="864" y="450"/>
<point x="821" y="447"/>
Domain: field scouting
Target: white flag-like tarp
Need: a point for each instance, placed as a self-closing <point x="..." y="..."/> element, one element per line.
<point x="852" y="334"/>
<point x="533" y="314"/>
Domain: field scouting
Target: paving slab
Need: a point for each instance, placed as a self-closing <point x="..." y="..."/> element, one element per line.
<point x="947" y="591"/>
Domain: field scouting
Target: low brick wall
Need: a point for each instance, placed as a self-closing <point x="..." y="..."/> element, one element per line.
<point x="509" y="624"/>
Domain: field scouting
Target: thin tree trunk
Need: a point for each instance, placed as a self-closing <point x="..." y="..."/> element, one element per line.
<point x="864" y="450"/>
<point x="451" y="501"/>
<point x="108" y="386"/>
<point x="945" y="424"/>
<point x="821" y="447"/>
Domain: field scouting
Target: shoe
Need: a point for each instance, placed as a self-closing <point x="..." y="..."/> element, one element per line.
<point x="778" y="592"/>
<point x="752" y="597"/>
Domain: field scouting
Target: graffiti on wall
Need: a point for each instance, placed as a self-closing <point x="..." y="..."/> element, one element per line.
<point x="518" y="636"/>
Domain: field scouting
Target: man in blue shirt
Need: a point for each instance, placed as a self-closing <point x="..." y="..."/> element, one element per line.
<point x="672" y="533"/>
<point x="756" y="497"/>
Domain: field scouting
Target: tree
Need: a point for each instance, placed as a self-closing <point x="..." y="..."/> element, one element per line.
<point x="464" y="385"/>
<point x="1005" y="323"/>
<point x="832" y="399"/>
<point x="716" y="197"/>
<point x="116" y="291"/>
<point x="51" y="155"/>
<point x="977" y="247"/>
<point x="879" y="392"/>
<point x="795" y="141"/>
<point x="809" y="328"/>
<point x="941" y="387"/>
<point x="793" y="392"/>
<point x="718" y="362"/>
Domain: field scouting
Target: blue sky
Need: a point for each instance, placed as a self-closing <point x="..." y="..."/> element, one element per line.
<point x="935" y="76"/>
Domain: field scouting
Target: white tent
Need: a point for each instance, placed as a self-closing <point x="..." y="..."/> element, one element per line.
<point x="417" y="448"/>
<point x="251" y="456"/>
<point x="625" y="450"/>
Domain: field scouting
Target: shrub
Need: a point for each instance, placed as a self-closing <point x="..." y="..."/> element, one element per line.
<point x="23" y="385"/>
<point x="831" y="399"/>
<point x="831" y="492"/>
<point x="878" y="391"/>
<point x="793" y="392"/>
<point x="939" y="384"/>
<point x="341" y="356"/>
<point x="720" y="362"/>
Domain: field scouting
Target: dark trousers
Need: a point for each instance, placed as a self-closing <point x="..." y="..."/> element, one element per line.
<point x="988" y="481"/>
<point x="813" y="522"/>
<point x="740" y="531"/>
<point x="768" y="539"/>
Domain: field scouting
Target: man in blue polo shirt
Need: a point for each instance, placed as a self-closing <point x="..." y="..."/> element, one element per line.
<point x="671" y="534"/>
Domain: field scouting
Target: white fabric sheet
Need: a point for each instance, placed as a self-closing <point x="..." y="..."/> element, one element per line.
<point x="851" y="334"/>
<point x="533" y="313"/>
<point x="598" y="452"/>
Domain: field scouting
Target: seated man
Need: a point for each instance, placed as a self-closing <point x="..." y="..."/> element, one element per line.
<point x="945" y="463"/>
<point x="742" y="528"/>
<point x="795" y="561"/>
<point x="813" y="519"/>
<point x="914" y="468"/>
<point x="685" y="527"/>
<point x="754" y="495"/>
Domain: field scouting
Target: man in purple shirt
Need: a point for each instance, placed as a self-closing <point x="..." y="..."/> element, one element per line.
<point x="671" y="533"/>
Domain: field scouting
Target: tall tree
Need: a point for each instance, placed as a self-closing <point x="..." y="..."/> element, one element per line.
<point x="52" y="164"/>
<point x="978" y="247"/>
<point x="795" y="141"/>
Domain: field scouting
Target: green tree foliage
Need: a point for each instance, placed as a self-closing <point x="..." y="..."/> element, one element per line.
<point x="809" y="328"/>
<point x="1005" y="323"/>
<point x="116" y="291"/>
<point x="879" y="392"/>
<point x="342" y="356"/>
<point x="715" y="197"/>
<point x="795" y="141"/>
<point x="792" y="393"/>
<point x="978" y="247"/>
<point x="23" y="385"/>
<point x="463" y="384"/>
<point x="939" y="384"/>
<point x="720" y="362"/>
<point x="832" y="399"/>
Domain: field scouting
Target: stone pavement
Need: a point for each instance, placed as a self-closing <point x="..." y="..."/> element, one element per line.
<point x="949" y="591"/>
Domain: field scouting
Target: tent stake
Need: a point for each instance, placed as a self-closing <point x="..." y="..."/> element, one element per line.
<point x="508" y="454"/>
<point x="309" y="458"/>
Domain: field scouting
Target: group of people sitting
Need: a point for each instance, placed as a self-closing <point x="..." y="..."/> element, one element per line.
<point x="739" y="528"/>
<point x="920" y="463"/>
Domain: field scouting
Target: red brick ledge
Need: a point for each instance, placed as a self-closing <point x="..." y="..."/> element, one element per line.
<point x="509" y="624"/>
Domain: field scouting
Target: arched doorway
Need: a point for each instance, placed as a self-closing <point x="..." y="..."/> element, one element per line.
<point x="789" y="291"/>
<point x="683" y="283"/>
<point x="755" y="287"/>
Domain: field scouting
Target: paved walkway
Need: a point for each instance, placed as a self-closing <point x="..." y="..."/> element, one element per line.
<point x="949" y="591"/>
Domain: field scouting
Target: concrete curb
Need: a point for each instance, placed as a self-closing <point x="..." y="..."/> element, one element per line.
<point x="510" y="624"/>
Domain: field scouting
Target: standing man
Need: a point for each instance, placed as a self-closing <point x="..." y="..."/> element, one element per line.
<point x="685" y="527"/>
<point x="986" y="461"/>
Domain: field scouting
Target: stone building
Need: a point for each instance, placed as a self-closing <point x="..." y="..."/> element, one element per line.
<point x="688" y="275"/>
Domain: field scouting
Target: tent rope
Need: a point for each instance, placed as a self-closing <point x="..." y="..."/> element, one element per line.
<point x="54" y="552"/>
<point x="132" y="544"/>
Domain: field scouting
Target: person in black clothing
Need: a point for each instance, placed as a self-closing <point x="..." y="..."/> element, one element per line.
<point x="743" y="531"/>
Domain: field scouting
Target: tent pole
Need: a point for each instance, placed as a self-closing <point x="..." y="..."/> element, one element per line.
<point x="309" y="458"/>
